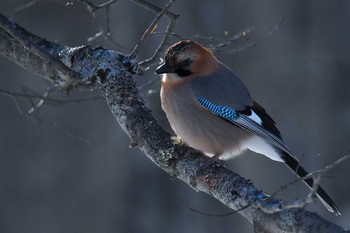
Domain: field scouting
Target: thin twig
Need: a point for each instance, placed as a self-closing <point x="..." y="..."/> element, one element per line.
<point x="44" y="98"/>
<point x="41" y="101"/>
<point x="148" y="83"/>
<point x="145" y="64"/>
<point x="183" y="36"/>
<point x="222" y="47"/>
<point x="102" y="32"/>
<point x="154" y="8"/>
<point x="60" y="128"/>
<point x="232" y="39"/>
<point x="312" y="174"/>
<point x="95" y="7"/>
<point x="151" y="28"/>
<point x="271" y="207"/>
<point x="48" y="98"/>
<point x="204" y="213"/>
<point x="64" y="130"/>
<point x="27" y="5"/>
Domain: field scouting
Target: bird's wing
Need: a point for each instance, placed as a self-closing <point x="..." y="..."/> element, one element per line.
<point x="252" y="122"/>
<point x="224" y="88"/>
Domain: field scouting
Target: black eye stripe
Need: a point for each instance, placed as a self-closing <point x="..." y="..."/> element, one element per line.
<point x="182" y="72"/>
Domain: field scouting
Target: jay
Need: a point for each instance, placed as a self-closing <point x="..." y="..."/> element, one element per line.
<point x="211" y="110"/>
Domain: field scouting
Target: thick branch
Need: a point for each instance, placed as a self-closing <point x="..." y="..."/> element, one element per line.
<point x="113" y="72"/>
<point x="45" y="58"/>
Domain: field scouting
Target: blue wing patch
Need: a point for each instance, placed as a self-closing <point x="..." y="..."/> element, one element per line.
<point x="222" y="111"/>
<point x="243" y="121"/>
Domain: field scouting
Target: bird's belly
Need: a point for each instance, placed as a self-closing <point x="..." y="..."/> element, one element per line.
<point x="204" y="131"/>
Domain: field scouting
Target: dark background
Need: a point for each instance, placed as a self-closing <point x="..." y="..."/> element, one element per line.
<point x="69" y="168"/>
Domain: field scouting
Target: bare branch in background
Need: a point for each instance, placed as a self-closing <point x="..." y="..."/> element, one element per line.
<point x="242" y="34"/>
<point x="183" y="36"/>
<point x="23" y="7"/>
<point x="313" y="174"/>
<point x="222" y="47"/>
<point x="65" y="131"/>
<point x="151" y="28"/>
<point x="93" y="7"/>
<point x="45" y="97"/>
<point x="154" y="60"/>
<point x="145" y="86"/>
<point x="35" y="106"/>
<point x="37" y="100"/>
<point x="205" y="213"/>
<point x="275" y="207"/>
<point x="105" y="32"/>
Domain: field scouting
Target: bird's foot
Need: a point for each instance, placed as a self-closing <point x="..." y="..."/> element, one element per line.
<point x="177" y="140"/>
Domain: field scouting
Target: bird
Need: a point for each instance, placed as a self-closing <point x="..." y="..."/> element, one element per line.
<point x="210" y="109"/>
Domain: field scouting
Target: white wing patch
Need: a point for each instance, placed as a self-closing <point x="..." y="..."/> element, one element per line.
<point x="259" y="145"/>
<point x="255" y="118"/>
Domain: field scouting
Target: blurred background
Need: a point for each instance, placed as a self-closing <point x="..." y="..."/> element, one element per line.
<point x="68" y="167"/>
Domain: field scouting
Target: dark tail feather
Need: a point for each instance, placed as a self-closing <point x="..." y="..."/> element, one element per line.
<point x="301" y="172"/>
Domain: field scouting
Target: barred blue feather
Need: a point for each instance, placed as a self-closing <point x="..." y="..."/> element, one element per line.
<point x="222" y="111"/>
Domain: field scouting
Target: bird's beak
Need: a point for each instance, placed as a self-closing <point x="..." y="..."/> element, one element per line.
<point x="164" y="68"/>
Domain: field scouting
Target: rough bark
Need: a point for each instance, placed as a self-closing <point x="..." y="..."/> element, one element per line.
<point x="112" y="73"/>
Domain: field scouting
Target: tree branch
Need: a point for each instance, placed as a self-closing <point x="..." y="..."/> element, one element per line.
<point x="64" y="74"/>
<point x="113" y="73"/>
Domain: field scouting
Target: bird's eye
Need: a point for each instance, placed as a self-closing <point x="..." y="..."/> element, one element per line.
<point x="186" y="63"/>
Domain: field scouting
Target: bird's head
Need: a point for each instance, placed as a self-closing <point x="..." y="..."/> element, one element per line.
<point x="188" y="59"/>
